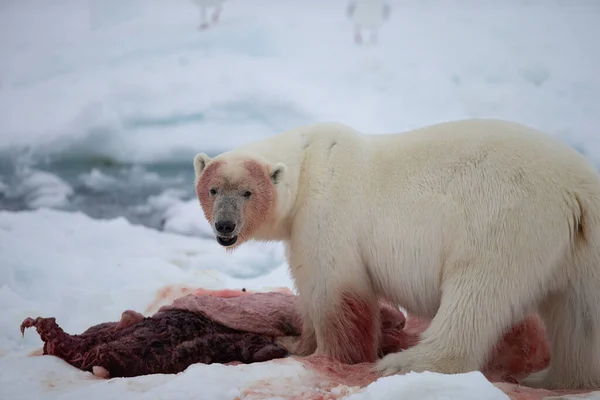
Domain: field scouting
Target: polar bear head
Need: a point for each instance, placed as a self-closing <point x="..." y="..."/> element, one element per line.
<point x="238" y="194"/>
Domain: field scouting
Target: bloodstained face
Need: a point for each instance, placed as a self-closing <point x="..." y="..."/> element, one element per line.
<point x="236" y="197"/>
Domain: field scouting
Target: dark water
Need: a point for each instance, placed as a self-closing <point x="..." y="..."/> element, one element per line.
<point x="101" y="187"/>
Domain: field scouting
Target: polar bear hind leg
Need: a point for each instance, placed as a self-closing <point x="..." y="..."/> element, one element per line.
<point x="572" y="320"/>
<point x="511" y="272"/>
<point x="474" y="312"/>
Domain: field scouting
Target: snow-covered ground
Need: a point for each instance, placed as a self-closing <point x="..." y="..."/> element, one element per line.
<point x="103" y="104"/>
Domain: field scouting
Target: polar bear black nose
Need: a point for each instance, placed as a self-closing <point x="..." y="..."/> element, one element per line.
<point x="225" y="227"/>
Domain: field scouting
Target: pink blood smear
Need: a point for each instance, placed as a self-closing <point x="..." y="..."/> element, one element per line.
<point x="169" y="293"/>
<point x="522" y="350"/>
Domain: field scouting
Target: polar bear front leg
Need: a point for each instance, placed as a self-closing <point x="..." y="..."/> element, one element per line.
<point x="334" y="288"/>
<point x="348" y="329"/>
<point x="307" y="344"/>
<point x="345" y="316"/>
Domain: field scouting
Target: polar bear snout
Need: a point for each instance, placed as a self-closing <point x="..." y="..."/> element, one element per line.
<point x="225" y="232"/>
<point x="227" y="219"/>
<point x="225" y="227"/>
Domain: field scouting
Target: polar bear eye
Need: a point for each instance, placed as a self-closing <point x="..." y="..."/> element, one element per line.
<point x="247" y="194"/>
<point x="213" y="191"/>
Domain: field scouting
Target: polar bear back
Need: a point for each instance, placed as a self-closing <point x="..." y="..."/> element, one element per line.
<point x="449" y="159"/>
<point x="434" y="197"/>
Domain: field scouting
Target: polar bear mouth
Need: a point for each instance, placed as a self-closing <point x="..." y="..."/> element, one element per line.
<point x="227" y="241"/>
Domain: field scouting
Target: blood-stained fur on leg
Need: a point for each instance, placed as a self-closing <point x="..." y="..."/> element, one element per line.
<point x="343" y="314"/>
<point x="350" y="330"/>
<point x="392" y="336"/>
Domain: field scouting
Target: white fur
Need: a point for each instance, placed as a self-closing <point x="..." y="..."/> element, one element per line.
<point x="472" y="223"/>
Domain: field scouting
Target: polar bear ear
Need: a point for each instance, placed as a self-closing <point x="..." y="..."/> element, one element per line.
<point x="200" y="162"/>
<point x="277" y="172"/>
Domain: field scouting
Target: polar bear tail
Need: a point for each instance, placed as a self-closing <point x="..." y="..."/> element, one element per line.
<point x="572" y="316"/>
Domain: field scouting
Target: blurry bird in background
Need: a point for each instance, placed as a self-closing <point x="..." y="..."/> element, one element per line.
<point x="204" y="5"/>
<point x="367" y="15"/>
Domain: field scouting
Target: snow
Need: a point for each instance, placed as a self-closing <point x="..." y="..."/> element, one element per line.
<point x="177" y="214"/>
<point x="96" y="179"/>
<point x="42" y="189"/>
<point x="134" y="82"/>
<point x="430" y="386"/>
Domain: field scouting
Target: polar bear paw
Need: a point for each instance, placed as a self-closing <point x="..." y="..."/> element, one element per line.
<point x="419" y="359"/>
<point x="536" y="380"/>
<point x="396" y="363"/>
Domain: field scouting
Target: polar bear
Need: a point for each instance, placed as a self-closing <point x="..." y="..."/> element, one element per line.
<point x="473" y="223"/>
